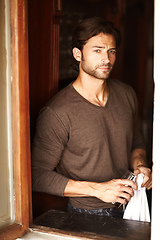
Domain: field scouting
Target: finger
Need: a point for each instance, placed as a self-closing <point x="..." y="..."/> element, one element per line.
<point x="148" y="184"/>
<point x="126" y="196"/>
<point x="146" y="180"/>
<point x="127" y="182"/>
<point x="136" y="172"/>
<point x="123" y="201"/>
<point x="149" y="187"/>
<point x="128" y="190"/>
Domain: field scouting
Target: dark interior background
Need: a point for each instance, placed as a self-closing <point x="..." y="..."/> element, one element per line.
<point x="134" y="64"/>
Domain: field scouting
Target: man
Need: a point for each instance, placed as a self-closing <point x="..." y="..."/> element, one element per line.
<point x="88" y="135"/>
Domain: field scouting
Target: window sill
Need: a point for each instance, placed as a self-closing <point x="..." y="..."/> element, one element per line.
<point x="88" y="226"/>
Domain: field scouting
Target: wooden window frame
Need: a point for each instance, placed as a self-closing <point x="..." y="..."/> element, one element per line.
<point x="20" y="122"/>
<point x="21" y="114"/>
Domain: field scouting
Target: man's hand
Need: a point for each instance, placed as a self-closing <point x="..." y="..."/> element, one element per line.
<point x="138" y="163"/>
<point x="116" y="190"/>
<point x="147" y="180"/>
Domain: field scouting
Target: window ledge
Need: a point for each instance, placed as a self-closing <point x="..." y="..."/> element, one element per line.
<point x="89" y="226"/>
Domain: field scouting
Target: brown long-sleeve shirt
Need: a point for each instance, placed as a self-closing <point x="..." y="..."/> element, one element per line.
<point x="78" y="140"/>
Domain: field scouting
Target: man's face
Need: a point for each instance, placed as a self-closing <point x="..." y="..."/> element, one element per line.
<point x="98" y="56"/>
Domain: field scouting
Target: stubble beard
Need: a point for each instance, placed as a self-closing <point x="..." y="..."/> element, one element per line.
<point x="103" y="75"/>
<point x="94" y="72"/>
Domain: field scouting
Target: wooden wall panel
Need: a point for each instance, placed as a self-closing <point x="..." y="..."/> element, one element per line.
<point x="44" y="29"/>
<point x="43" y="22"/>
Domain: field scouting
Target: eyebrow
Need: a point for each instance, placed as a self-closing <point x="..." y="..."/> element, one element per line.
<point x="96" y="46"/>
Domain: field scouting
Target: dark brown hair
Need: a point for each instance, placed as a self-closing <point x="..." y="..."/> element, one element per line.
<point x="92" y="27"/>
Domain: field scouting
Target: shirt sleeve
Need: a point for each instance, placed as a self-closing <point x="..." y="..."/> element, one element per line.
<point x="48" y="145"/>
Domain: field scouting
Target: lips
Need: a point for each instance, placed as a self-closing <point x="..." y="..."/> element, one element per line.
<point x="104" y="68"/>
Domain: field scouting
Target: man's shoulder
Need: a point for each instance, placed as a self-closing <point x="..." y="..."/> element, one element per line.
<point x="122" y="88"/>
<point x="117" y="84"/>
<point x="123" y="92"/>
<point x="62" y="99"/>
<point x="57" y="107"/>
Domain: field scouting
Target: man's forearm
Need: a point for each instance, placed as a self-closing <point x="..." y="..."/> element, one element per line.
<point x="80" y="189"/>
<point x="115" y="190"/>
<point x="138" y="159"/>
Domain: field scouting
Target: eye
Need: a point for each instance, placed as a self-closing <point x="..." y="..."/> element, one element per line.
<point x="97" y="50"/>
<point x="112" y="52"/>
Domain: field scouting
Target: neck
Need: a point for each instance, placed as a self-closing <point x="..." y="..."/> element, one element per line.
<point x="94" y="90"/>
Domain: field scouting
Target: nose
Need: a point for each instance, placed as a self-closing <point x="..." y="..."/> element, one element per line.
<point x="105" y="58"/>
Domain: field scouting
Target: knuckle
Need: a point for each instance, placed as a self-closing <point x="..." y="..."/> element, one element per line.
<point x="118" y="181"/>
<point x="120" y="188"/>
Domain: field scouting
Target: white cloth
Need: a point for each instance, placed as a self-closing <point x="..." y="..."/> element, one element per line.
<point x="137" y="208"/>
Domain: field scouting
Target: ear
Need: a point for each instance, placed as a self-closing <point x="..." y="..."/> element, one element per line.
<point x="76" y="54"/>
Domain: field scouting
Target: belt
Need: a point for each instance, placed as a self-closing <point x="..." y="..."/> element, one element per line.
<point x="117" y="207"/>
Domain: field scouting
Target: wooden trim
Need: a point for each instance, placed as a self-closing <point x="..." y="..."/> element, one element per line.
<point x="12" y="231"/>
<point x="20" y="120"/>
<point x="54" y="77"/>
<point x="57" y="8"/>
<point x="55" y="32"/>
<point x="67" y="234"/>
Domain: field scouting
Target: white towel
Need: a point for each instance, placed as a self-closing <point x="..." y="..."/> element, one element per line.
<point x="137" y="208"/>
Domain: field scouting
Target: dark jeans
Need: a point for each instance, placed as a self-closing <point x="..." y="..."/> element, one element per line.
<point x="109" y="212"/>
